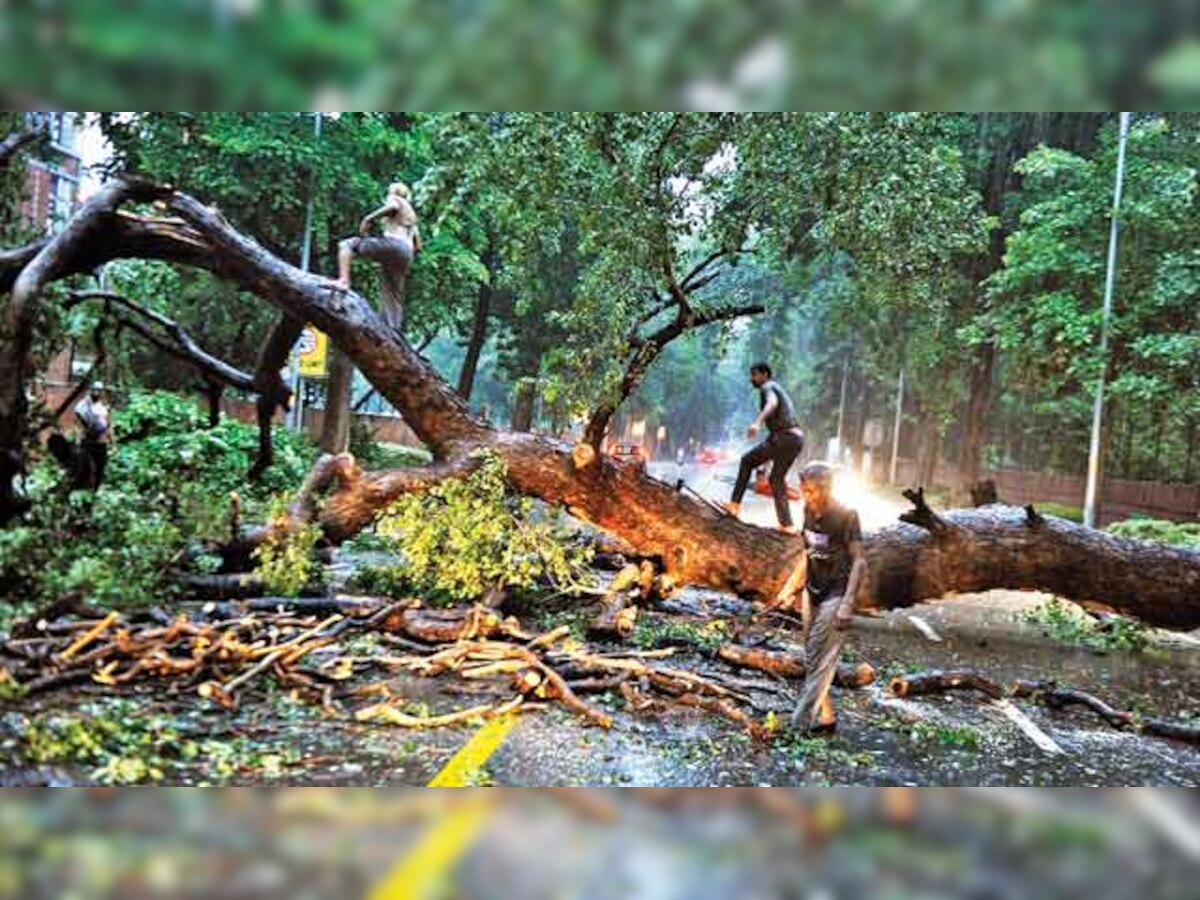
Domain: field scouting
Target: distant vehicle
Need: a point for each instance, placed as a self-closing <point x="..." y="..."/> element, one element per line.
<point x="763" y="486"/>
<point x="633" y="453"/>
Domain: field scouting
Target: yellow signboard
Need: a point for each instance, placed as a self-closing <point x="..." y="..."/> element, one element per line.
<point x="312" y="348"/>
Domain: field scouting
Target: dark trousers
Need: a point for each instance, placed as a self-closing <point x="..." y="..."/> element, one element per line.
<point x="780" y="450"/>
<point x="95" y="457"/>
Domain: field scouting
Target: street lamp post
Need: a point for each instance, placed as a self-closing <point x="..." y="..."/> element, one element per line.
<point x="1091" y="494"/>
<point x="305" y="259"/>
<point x="896" y="429"/>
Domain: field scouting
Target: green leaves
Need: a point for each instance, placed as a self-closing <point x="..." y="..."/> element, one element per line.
<point x="166" y="491"/>
<point x="464" y="536"/>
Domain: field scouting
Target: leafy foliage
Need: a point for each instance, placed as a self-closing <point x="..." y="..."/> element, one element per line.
<point x="166" y="491"/>
<point x="1177" y="534"/>
<point x="464" y="536"/>
<point x="286" y="562"/>
<point x="1070" y="625"/>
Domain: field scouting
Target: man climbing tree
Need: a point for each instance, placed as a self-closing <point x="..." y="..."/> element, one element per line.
<point x="784" y="443"/>
<point x="394" y="250"/>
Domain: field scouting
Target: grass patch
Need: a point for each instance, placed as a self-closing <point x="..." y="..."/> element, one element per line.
<point x="653" y="633"/>
<point x="1065" y="623"/>
<point x="116" y="742"/>
<point x="956" y="737"/>
<point x="1061" y="511"/>
<point x="1176" y="534"/>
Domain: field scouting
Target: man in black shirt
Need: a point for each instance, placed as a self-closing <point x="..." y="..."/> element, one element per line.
<point x="832" y="569"/>
<point x="784" y="443"/>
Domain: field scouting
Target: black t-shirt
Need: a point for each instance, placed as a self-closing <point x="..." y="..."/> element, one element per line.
<point x="828" y="538"/>
<point x="784" y="416"/>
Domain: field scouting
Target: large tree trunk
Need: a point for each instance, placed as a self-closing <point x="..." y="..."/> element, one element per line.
<point x="523" y="404"/>
<point x="858" y="430"/>
<point x="975" y="427"/>
<point x="483" y="309"/>
<point x="273" y="393"/>
<point x="927" y="558"/>
<point x="335" y="431"/>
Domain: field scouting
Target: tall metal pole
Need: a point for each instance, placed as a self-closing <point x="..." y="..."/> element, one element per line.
<point x="841" y="452"/>
<point x="1091" y="494"/>
<point x="305" y="259"/>
<point x="896" y="429"/>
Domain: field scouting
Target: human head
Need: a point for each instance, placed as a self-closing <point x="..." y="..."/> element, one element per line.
<point x="97" y="391"/>
<point x="816" y="484"/>
<point x="760" y="374"/>
<point x="399" y="189"/>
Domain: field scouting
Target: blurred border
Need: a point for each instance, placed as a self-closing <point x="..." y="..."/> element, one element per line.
<point x="573" y="54"/>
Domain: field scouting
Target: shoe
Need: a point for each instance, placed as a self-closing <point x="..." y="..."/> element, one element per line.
<point x="817" y="729"/>
<point x="733" y="509"/>
<point x="789" y="529"/>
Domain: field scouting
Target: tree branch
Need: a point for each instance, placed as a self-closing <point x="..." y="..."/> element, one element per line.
<point x="182" y="345"/>
<point x="12" y="144"/>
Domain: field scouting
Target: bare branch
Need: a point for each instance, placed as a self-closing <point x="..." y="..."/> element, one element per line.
<point x="181" y="345"/>
<point x="12" y="144"/>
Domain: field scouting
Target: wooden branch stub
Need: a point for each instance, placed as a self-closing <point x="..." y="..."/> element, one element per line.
<point x="583" y="455"/>
<point x="922" y="514"/>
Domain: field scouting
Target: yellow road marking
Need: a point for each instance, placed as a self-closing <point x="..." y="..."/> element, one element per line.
<point x="420" y="873"/>
<point x="474" y="753"/>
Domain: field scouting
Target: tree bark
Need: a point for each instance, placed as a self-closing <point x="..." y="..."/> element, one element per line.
<point x="12" y="143"/>
<point x="273" y="393"/>
<point x="975" y="426"/>
<point x="213" y="391"/>
<point x="859" y="429"/>
<point x="483" y="308"/>
<point x="523" y="404"/>
<point x="335" y="431"/>
<point x="927" y="557"/>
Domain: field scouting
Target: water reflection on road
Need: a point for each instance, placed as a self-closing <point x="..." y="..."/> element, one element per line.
<point x="715" y="482"/>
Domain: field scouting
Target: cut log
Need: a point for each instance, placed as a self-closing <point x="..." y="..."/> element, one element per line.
<point x="791" y="665"/>
<point x="938" y="681"/>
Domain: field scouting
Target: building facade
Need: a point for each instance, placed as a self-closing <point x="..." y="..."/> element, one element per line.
<point x="56" y="173"/>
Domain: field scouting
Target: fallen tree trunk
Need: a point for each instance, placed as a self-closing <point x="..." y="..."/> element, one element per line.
<point x="928" y="557"/>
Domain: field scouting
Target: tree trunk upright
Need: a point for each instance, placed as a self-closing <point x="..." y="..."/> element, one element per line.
<point x="975" y="426"/>
<point x="858" y="431"/>
<point x="483" y="306"/>
<point x="522" y="414"/>
<point x="335" y="431"/>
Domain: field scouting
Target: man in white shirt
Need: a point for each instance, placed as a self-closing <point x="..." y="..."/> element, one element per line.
<point x="92" y="414"/>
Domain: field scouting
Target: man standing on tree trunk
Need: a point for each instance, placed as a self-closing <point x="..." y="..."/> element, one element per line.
<point x="92" y="414"/>
<point x="394" y="250"/>
<point x="831" y="569"/>
<point x="784" y="443"/>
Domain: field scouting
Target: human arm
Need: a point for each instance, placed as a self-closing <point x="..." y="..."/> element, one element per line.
<point x="769" y="406"/>
<point x="858" y="571"/>
<point x="364" y="226"/>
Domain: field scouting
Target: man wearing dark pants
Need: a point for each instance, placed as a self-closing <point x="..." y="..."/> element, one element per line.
<point x="784" y="443"/>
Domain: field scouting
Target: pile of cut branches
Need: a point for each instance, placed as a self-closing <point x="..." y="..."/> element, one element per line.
<point x="225" y="651"/>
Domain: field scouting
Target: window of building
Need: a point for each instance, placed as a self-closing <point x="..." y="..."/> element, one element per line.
<point x="62" y="199"/>
<point x="60" y="127"/>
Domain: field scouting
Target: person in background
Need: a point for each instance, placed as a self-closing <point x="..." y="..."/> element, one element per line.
<point x="784" y="443"/>
<point x="833" y="568"/>
<point x="93" y="416"/>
